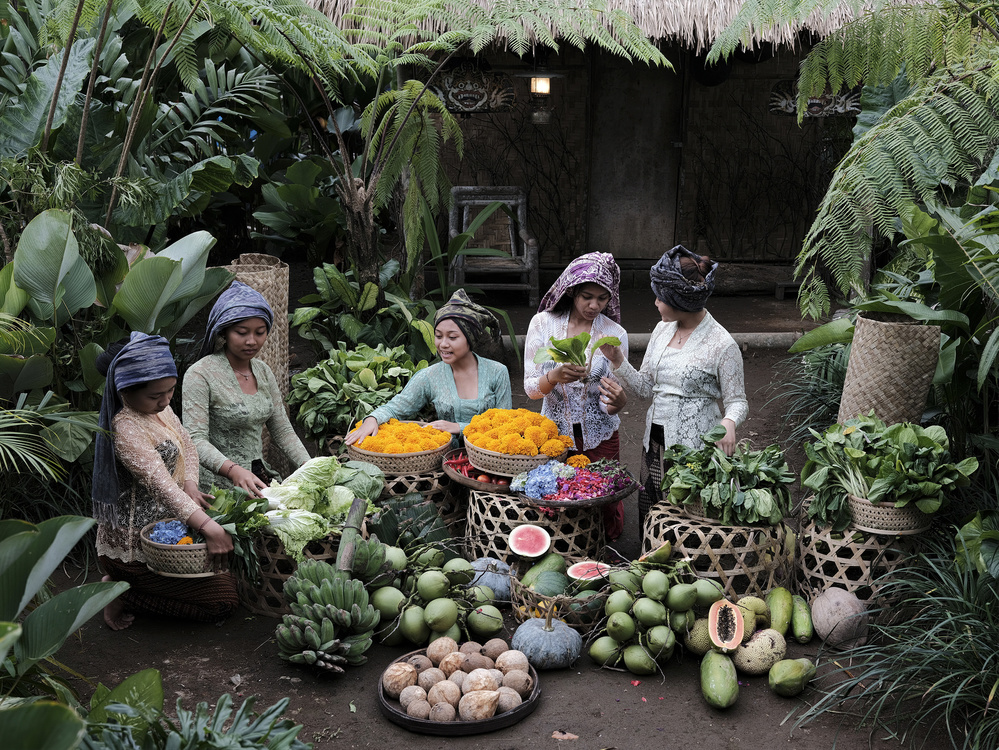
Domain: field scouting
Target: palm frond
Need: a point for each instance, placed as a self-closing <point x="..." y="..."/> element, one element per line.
<point x="23" y="450"/>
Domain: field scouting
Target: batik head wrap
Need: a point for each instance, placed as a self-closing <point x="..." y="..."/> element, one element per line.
<point x="592" y="268"/>
<point x="142" y="359"/>
<point x="676" y="290"/>
<point x="236" y="303"/>
<point x="476" y="322"/>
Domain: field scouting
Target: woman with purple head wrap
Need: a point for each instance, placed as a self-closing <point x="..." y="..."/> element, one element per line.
<point x="458" y="387"/>
<point x="692" y="369"/>
<point x="145" y="470"/>
<point x="230" y="395"/>
<point x="583" y="402"/>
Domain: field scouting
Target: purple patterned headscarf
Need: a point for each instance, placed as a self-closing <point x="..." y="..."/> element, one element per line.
<point x="592" y="268"/>
<point x="676" y="290"/>
<point x="236" y="303"/>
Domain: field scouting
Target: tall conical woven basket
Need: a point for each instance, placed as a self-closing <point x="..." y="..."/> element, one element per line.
<point x="890" y="369"/>
<point x="270" y="276"/>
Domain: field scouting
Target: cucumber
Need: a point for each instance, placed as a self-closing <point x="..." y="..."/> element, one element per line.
<point x="719" y="681"/>
<point x="550" y="561"/>
<point x="801" y="620"/>
<point x="781" y="604"/>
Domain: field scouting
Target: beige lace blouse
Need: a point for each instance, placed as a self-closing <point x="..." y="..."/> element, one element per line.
<point x="155" y="456"/>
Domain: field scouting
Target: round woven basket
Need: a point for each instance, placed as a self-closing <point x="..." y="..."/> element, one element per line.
<point x="890" y="369"/>
<point x="885" y="518"/>
<point x="394" y="464"/>
<point x="505" y="464"/>
<point x="174" y="560"/>
<point x="582" y="615"/>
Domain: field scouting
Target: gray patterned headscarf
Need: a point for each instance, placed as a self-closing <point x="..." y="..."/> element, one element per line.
<point x="676" y="290"/>
<point x="142" y="359"/>
<point x="592" y="268"/>
<point x="476" y="322"/>
<point x="236" y="303"/>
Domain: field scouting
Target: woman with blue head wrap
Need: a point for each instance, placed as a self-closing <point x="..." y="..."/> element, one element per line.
<point x="692" y="369"/>
<point x="144" y="471"/>
<point x="230" y="395"/>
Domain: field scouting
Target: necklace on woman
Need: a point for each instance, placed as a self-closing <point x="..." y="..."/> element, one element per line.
<point x="244" y="375"/>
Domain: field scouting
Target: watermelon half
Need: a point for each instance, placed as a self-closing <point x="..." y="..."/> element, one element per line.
<point x="588" y="574"/>
<point x="528" y="540"/>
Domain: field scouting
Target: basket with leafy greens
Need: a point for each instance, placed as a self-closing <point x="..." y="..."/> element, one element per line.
<point x="749" y="487"/>
<point x="899" y="464"/>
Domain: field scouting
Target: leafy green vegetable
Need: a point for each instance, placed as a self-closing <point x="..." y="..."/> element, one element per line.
<point x="573" y="349"/>
<point x="902" y="463"/>
<point x="243" y="518"/>
<point x="362" y="478"/>
<point x="336" y="394"/>
<point x="747" y="487"/>
<point x="324" y="486"/>
<point x="296" y="528"/>
<point x="978" y="544"/>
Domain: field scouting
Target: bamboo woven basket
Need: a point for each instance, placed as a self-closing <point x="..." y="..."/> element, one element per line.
<point x="394" y="464"/>
<point x="450" y="499"/>
<point x="885" y="518"/>
<point x="174" y="560"/>
<point x="276" y="567"/>
<point x="506" y="464"/>
<point x="582" y="618"/>
<point x="891" y="367"/>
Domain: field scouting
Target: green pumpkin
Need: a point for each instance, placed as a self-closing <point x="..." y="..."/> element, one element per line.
<point x="547" y="643"/>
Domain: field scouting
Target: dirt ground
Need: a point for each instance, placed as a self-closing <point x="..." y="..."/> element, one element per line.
<point x="593" y="708"/>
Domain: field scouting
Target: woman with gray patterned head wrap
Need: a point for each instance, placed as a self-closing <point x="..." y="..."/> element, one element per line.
<point x="230" y="395"/>
<point x="458" y="387"/>
<point x="145" y="470"/>
<point x="692" y="369"/>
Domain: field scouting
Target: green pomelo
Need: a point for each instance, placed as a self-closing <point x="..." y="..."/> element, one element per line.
<point x="605" y="651"/>
<point x="396" y="557"/>
<point x="649" y="612"/>
<point x="639" y="661"/>
<point x="681" y="597"/>
<point x="624" y="579"/>
<point x="681" y="622"/>
<point x="619" y="601"/>
<point x="412" y="625"/>
<point x="479" y="594"/>
<point x="655" y="585"/>
<point x="459" y="571"/>
<point x="440" y="614"/>
<point x="432" y="584"/>
<point x="388" y="600"/>
<point x="551" y="583"/>
<point x="708" y="592"/>
<point x="660" y="642"/>
<point x="430" y="558"/>
<point x="453" y="632"/>
<point x="620" y="626"/>
<point x="485" y="621"/>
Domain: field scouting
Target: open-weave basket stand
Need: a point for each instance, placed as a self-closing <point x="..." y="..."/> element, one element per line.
<point x="450" y="498"/>
<point x="276" y="567"/>
<point x="577" y="533"/>
<point x="852" y="560"/>
<point x="527" y="604"/>
<point x="743" y="559"/>
<point x="890" y="369"/>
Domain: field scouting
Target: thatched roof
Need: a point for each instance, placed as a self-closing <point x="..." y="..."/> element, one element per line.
<point x="692" y="23"/>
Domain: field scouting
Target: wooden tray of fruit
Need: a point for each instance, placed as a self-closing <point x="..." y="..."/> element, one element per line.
<point x="392" y="709"/>
<point x="455" y="465"/>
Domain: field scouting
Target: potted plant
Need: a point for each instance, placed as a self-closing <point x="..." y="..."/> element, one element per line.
<point x="749" y="487"/>
<point x="882" y="478"/>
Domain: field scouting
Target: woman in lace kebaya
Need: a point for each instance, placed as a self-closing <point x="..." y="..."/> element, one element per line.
<point x="145" y="470"/>
<point x="691" y="365"/>
<point x="461" y="385"/>
<point x="229" y="395"/>
<point x="583" y="403"/>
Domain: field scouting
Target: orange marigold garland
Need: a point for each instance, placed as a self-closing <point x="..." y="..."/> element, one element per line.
<point x="579" y="460"/>
<point x="516" y="432"/>
<point x="404" y="437"/>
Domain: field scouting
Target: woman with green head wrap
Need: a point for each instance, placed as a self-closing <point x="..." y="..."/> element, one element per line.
<point x="462" y="384"/>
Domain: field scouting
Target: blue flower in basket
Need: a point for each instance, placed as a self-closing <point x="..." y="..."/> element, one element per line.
<point x="168" y="532"/>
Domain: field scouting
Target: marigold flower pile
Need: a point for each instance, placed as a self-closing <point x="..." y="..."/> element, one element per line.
<point x="404" y="437"/>
<point x="558" y="482"/>
<point x="579" y="460"/>
<point x="516" y="432"/>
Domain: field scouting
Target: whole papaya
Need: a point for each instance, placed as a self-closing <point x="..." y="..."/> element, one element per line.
<point x="788" y="677"/>
<point x="719" y="681"/>
<point x="780" y="602"/>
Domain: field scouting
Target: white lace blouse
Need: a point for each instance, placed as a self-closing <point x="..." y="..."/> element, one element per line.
<point x="573" y="403"/>
<point x="687" y="384"/>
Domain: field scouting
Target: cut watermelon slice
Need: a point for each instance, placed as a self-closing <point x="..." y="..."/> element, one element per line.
<point x="528" y="540"/>
<point x="588" y="574"/>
